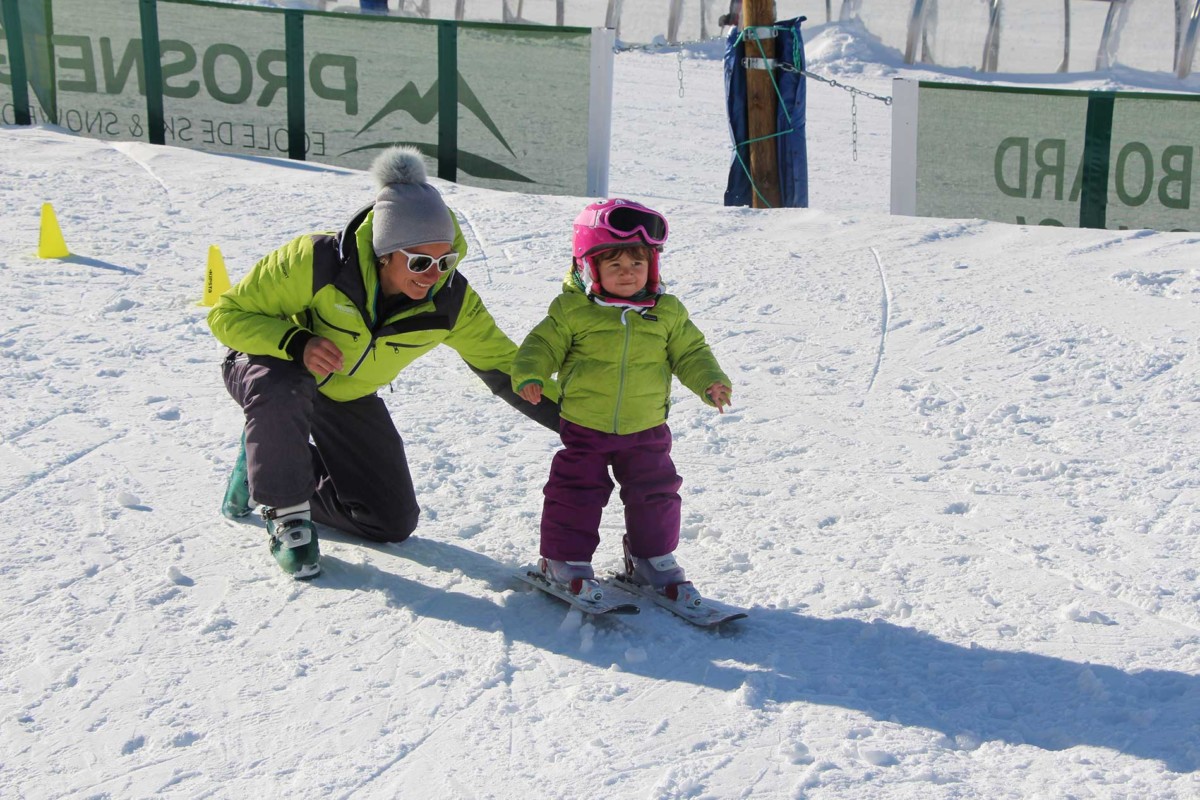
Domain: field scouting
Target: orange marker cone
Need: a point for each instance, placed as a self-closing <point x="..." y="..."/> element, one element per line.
<point x="50" y="241"/>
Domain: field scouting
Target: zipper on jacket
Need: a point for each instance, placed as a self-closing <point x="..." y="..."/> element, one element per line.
<point x="352" y="334"/>
<point x="621" y="374"/>
<point x="398" y="346"/>
<point x="362" y="358"/>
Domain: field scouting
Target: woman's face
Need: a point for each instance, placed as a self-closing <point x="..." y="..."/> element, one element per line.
<point x="396" y="278"/>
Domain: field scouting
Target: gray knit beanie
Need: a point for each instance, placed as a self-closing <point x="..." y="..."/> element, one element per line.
<point x="408" y="211"/>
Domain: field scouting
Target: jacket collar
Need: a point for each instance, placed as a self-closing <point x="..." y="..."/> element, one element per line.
<point x="348" y="239"/>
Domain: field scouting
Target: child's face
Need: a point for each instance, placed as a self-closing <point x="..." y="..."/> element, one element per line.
<point x="623" y="273"/>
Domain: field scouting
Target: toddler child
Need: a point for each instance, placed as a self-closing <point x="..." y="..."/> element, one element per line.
<point x="615" y="338"/>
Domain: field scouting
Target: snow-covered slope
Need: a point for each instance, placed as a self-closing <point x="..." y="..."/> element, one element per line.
<point x="958" y="492"/>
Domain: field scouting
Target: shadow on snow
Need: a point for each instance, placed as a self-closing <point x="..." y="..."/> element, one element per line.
<point x="891" y="673"/>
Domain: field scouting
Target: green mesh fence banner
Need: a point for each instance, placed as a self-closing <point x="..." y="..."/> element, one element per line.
<point x="25" y="50"/>
<point x="1154" y="163"/>
<point x="513" y="133"/>
<point x="224" y="78"/>
<point x="372" y="82"/>
<point x="1118" y="160"/>
<point x="333" y="88"/>
<point x="1020" y="171"/>
<point x="37" y="28"/>
<point x="98" y="71"/>
<point x="8" y="111"/>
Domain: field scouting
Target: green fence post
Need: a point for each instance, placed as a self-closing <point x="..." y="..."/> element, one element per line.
<point x="293" y="34"/>
<point x="448" y="100"/>
<point x="16" y="60"/>
<point x="152" y="60"/>
<point x="1097" y="147"/>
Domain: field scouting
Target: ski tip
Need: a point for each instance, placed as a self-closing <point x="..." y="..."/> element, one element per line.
<point x="712" y="622"/>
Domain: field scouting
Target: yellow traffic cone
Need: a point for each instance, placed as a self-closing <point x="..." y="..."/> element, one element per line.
<point x="50" y="241"/>
<point x="216" y="280"/>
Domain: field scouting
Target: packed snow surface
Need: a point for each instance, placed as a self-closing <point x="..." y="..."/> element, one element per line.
<point x="958" y="492"/>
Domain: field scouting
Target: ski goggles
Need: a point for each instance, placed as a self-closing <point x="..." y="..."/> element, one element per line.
<point x="419" y="262"/>
<point x="627" y="221"/>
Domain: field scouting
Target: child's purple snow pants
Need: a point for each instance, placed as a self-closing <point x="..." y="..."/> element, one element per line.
<point x="579" y="488"/>
<point x="354" y="472"/>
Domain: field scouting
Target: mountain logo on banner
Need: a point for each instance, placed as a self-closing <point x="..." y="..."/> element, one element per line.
<point x="424" y="108"/>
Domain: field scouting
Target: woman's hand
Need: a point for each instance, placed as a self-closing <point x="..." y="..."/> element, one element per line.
<point x="719" y="393"/>
<point x="322" y="357"/>
<point x="531" y="392"/>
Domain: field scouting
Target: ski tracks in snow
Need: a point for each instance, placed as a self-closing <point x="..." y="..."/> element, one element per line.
<point x="478" y="237"/>
<point x="126" y="149"/>
<point x="885" y="306"/>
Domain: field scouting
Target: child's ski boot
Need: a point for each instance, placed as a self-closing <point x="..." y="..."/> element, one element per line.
<point x="294" y="540"/>
<point x="663" y="574"/>
<point x="576" y="577"/>
<point x="237" y="491"/>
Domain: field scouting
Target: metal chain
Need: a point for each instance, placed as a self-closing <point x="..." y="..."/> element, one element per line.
<point x="680" y="62"/>
<point x="887" y="101"/>
<point x="854" y="126"/>
<point x="656" y="48"/>
<point x="854" y="94"/>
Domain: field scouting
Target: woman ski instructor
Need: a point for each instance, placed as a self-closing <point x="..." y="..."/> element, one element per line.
<point x="315" y="329"/>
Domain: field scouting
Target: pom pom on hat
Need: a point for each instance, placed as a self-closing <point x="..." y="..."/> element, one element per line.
<point x="398" y="165"/>
<point x="408" y="211"/>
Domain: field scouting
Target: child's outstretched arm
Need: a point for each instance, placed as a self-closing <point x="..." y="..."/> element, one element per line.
<point x="540" y="356"/>
<point x="694" y="364"/>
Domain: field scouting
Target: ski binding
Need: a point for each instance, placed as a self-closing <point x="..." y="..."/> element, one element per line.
<point x="605" y="605"/>
<point x="699" y="612"/>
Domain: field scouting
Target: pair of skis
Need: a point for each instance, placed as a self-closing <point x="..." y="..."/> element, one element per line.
<point x="620" y="593"/>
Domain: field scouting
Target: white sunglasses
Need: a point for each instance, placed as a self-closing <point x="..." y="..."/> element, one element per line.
<point x="419" y="262"/>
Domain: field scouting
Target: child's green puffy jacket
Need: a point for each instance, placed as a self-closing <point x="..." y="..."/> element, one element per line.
<point x="327" y="285"/>
<point x="614" y="364"/>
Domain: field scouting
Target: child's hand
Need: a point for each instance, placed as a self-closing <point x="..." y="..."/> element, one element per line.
<point x="719" y="393"/>
<point x="531" y="392"/>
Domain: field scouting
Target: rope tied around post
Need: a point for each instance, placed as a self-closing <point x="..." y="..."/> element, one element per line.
<point x="756" y="34"/>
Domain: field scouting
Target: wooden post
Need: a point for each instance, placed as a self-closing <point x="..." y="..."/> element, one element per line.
<point x="760" y="105"/>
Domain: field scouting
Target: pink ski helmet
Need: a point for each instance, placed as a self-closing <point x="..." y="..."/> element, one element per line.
<point x="616" y="223"/>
